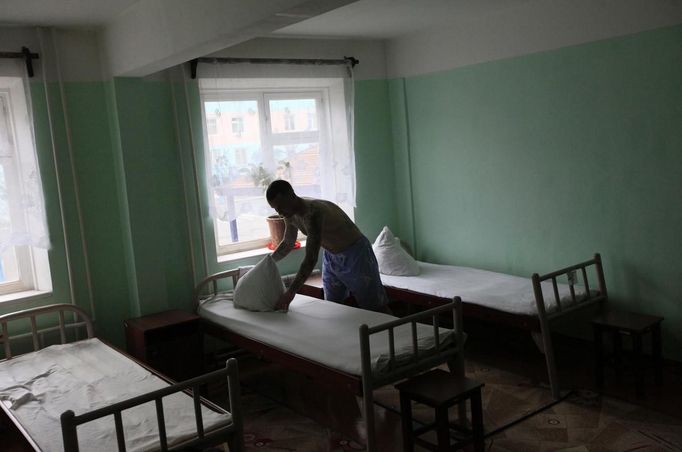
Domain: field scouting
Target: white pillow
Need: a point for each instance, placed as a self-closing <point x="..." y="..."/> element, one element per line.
<point x="392" y="258"/>
<point x="260" y="288"/>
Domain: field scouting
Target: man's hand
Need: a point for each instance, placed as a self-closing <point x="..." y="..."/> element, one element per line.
<point x="285" y="301"/>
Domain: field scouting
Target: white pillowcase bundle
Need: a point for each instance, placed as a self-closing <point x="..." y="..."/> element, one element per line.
<point x="260" y="288"/>
<point x="392" y="258"/>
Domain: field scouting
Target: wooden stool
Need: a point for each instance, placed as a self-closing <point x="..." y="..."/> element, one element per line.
<point x="631" y="324"/>
<point x="440" y="390"/>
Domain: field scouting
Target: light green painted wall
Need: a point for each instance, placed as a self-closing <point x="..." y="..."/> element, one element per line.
<point x="155" y="200"/>
<point x="93" y="156"/>
<point x="533" y="163"/>
<point x="374" y="170"/>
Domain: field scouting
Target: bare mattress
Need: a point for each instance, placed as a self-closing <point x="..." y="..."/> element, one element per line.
<point x="36" y="388"/>
<point x="508" y="293"/>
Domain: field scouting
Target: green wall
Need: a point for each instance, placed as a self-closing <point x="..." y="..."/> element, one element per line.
<point x="155" y="200"/>
<point x="92" y="151"/>
<point x="374" y="170"/>
<point x="532" y="163"/>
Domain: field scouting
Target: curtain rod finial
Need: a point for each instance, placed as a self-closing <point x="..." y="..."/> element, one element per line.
<point x="29" y="63"/>
<point x="352" y="60"/>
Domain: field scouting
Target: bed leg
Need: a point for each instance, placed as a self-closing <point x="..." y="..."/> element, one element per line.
<point x="548" y="348"/>
<point x="368" y="413"/>
<point x="456" y="367"/>
<point x="69" y="435"/>
<point x="236" y="440"/>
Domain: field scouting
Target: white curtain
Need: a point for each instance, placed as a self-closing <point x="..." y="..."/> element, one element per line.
<point x="323" y="96"/>
<point x="22" y="205"/>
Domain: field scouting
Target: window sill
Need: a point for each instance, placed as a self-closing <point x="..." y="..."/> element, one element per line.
<point x="250" y="253"/>
<point x="15" y="298"/>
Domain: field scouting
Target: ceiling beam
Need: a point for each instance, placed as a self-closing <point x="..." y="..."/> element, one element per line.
<point x="153" y="35"/>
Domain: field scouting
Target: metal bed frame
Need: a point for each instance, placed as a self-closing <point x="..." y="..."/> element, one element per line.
<point x="231" y="433"/>
<point x="538" y="325"/>
<point x="363" y="385"/>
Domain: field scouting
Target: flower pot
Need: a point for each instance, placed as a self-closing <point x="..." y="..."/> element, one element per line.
<point x="276" y="226"/>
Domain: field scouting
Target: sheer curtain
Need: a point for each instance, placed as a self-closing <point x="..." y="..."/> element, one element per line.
<point x="267" y="121"/>
<point x="22" y="205"/>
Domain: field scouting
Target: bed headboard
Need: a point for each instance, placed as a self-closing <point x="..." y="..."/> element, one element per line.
<point x="33" y="313"/>
<point x="211" y="282"/>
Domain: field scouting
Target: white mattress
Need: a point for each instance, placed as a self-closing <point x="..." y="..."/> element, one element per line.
<point x="82" y="376"/>
<point x="500" y="291"/>
<point x="321" y="331"/>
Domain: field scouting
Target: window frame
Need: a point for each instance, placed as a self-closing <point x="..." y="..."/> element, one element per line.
<point x="33" y="266"/>
<point x="269" y="139"/>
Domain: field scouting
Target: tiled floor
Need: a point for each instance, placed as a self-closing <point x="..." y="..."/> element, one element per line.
<point x="287" y="412"/>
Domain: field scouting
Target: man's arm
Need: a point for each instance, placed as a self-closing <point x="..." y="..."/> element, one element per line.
<point x="287" y="243"/>
<point x="312" y="249"/>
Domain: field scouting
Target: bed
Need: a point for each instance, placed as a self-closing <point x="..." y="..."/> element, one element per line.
<point x="527" y="303"/>
<point x="369" y="349"/>
<point x="86" y="395"/>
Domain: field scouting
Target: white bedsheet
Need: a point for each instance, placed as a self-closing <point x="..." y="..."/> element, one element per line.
<point x="500" y="291"/>
<point x="86" y="375"/>
<point x="321" y="331"/>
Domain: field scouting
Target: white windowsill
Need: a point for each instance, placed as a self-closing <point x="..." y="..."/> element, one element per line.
<point x="14" y="298"/>
<point x="249" y="253"/>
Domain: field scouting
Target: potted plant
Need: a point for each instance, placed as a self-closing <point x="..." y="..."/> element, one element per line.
<point x="261" y="177"/>
<point x="276" y="226"/>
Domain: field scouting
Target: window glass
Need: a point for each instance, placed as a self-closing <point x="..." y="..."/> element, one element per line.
<point x="263" y="135"/>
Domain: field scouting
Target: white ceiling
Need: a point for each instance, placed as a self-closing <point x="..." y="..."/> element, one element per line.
<point x="385" y="19"/>
<point x="373" y="19"/>
<point x="62" y="13"/>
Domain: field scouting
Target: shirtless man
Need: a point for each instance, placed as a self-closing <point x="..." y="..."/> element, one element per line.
<point x="349" y="265"/>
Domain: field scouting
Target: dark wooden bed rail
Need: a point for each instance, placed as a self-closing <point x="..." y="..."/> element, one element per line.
<point x="232" y="432"/>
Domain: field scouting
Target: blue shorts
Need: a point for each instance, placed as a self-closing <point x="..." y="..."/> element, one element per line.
<point x="354" y="271"/>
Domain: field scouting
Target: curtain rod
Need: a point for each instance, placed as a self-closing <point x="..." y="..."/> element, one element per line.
<point x="352" y="61"/>
<point x="26" y="55"/>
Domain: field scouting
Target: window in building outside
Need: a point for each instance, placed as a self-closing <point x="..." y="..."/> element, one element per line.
<point x="238" y="126"/>
<point x="212" y="126"/>
<point x="23" y="233"/>
<point x="283" y="134"/>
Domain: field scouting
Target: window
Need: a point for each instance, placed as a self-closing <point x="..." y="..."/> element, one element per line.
<point x="238" y="126"/>
<point x="277" y="133"/>
<point x="23" y="234"/>
<point x="212" y="125"/>
<point x="288" y="119"/>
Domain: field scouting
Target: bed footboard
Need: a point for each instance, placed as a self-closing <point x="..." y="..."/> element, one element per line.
<point x="231" y="433"/>
<point x="589" y="298"/>
<point x="442" y="351"/>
